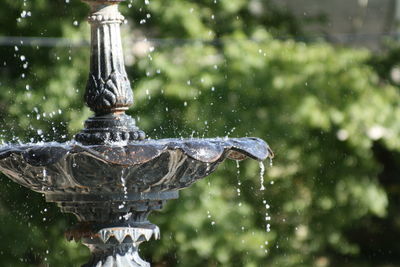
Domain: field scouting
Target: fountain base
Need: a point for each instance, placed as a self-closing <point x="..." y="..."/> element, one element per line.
<point x="124" y="256"/>
<point x="108" y="128"/>
<point x="115" y="246"/>
<point x="113" y="226"/>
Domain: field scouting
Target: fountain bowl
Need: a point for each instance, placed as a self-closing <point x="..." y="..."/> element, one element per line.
<point x="143" y="167"/>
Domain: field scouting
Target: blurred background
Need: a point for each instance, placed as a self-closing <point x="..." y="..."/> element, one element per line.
<point x="318" y="80"/>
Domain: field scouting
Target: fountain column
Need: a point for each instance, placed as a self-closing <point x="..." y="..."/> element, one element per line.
<point x="108" y="90"/>
<point x="112" y="228"/>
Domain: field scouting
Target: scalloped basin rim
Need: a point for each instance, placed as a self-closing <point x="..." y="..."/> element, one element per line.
<point x="204" y="150"/>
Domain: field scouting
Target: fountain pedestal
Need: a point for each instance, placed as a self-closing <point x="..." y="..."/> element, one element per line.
<point x="113" y="226"/>
<point x="108" y="89"/>
<point x="115" y="246"/>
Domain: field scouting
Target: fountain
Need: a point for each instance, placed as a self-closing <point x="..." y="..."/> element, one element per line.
<point x="111" y="176"/>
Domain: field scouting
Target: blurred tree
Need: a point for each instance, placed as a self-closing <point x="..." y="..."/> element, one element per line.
<point x="326" y="112"/>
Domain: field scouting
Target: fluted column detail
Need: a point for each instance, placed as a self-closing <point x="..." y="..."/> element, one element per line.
<point x="108" y="89"/>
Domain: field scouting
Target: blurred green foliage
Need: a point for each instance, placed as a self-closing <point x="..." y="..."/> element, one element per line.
<point x="214" y="68"/>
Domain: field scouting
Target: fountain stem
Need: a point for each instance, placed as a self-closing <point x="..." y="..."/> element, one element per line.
<point x="116" y="246"/>
<point x="108" y="90"/>
<point x="123" y="255"/>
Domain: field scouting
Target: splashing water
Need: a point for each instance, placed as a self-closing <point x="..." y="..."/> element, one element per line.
<point x="123" y="182"/>
<point x="262" y="171"/>
<point x="124" y="188"/>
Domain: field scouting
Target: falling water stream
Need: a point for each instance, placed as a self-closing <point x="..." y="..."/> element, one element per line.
<point x="124" y="188"/>
<point x="267" y="216"/>
<point x="262" y="171"/>
<point x="238" y="178"/>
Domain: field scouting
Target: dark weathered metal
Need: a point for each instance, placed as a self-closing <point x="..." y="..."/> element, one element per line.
<point x="108" y="90"/>
<point x="113" y="186"/>
<point x="115" y="246"/>
<point x="143" y="167"/>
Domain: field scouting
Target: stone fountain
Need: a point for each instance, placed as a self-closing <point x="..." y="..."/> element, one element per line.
<point x="111" y="176"/>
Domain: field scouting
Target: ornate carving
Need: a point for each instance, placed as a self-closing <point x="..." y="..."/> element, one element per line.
<point x="113" y="189"/>
<point x="147" y="167"/>
<point x="106" y="18"/>
<point x="113" y="94"/>
<point x="108" y="90"/>
<point x="115" y="246"/>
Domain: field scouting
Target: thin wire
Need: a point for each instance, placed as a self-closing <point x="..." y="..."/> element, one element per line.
<point x="41" y="41"/>
<point x="65" y="42"/>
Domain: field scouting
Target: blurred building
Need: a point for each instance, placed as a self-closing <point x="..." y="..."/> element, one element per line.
<point x="353" y="22"/>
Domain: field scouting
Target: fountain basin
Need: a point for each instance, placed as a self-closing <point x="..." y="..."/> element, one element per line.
<point x="120" y="184"/>
<point x="112" y="188"/>
<point x="143" y="167"/>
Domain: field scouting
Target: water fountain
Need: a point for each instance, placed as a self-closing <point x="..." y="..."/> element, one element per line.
<point x="111" y="176"/>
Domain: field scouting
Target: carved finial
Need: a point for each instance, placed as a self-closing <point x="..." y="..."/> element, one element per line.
<point x="108" y="90"/>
